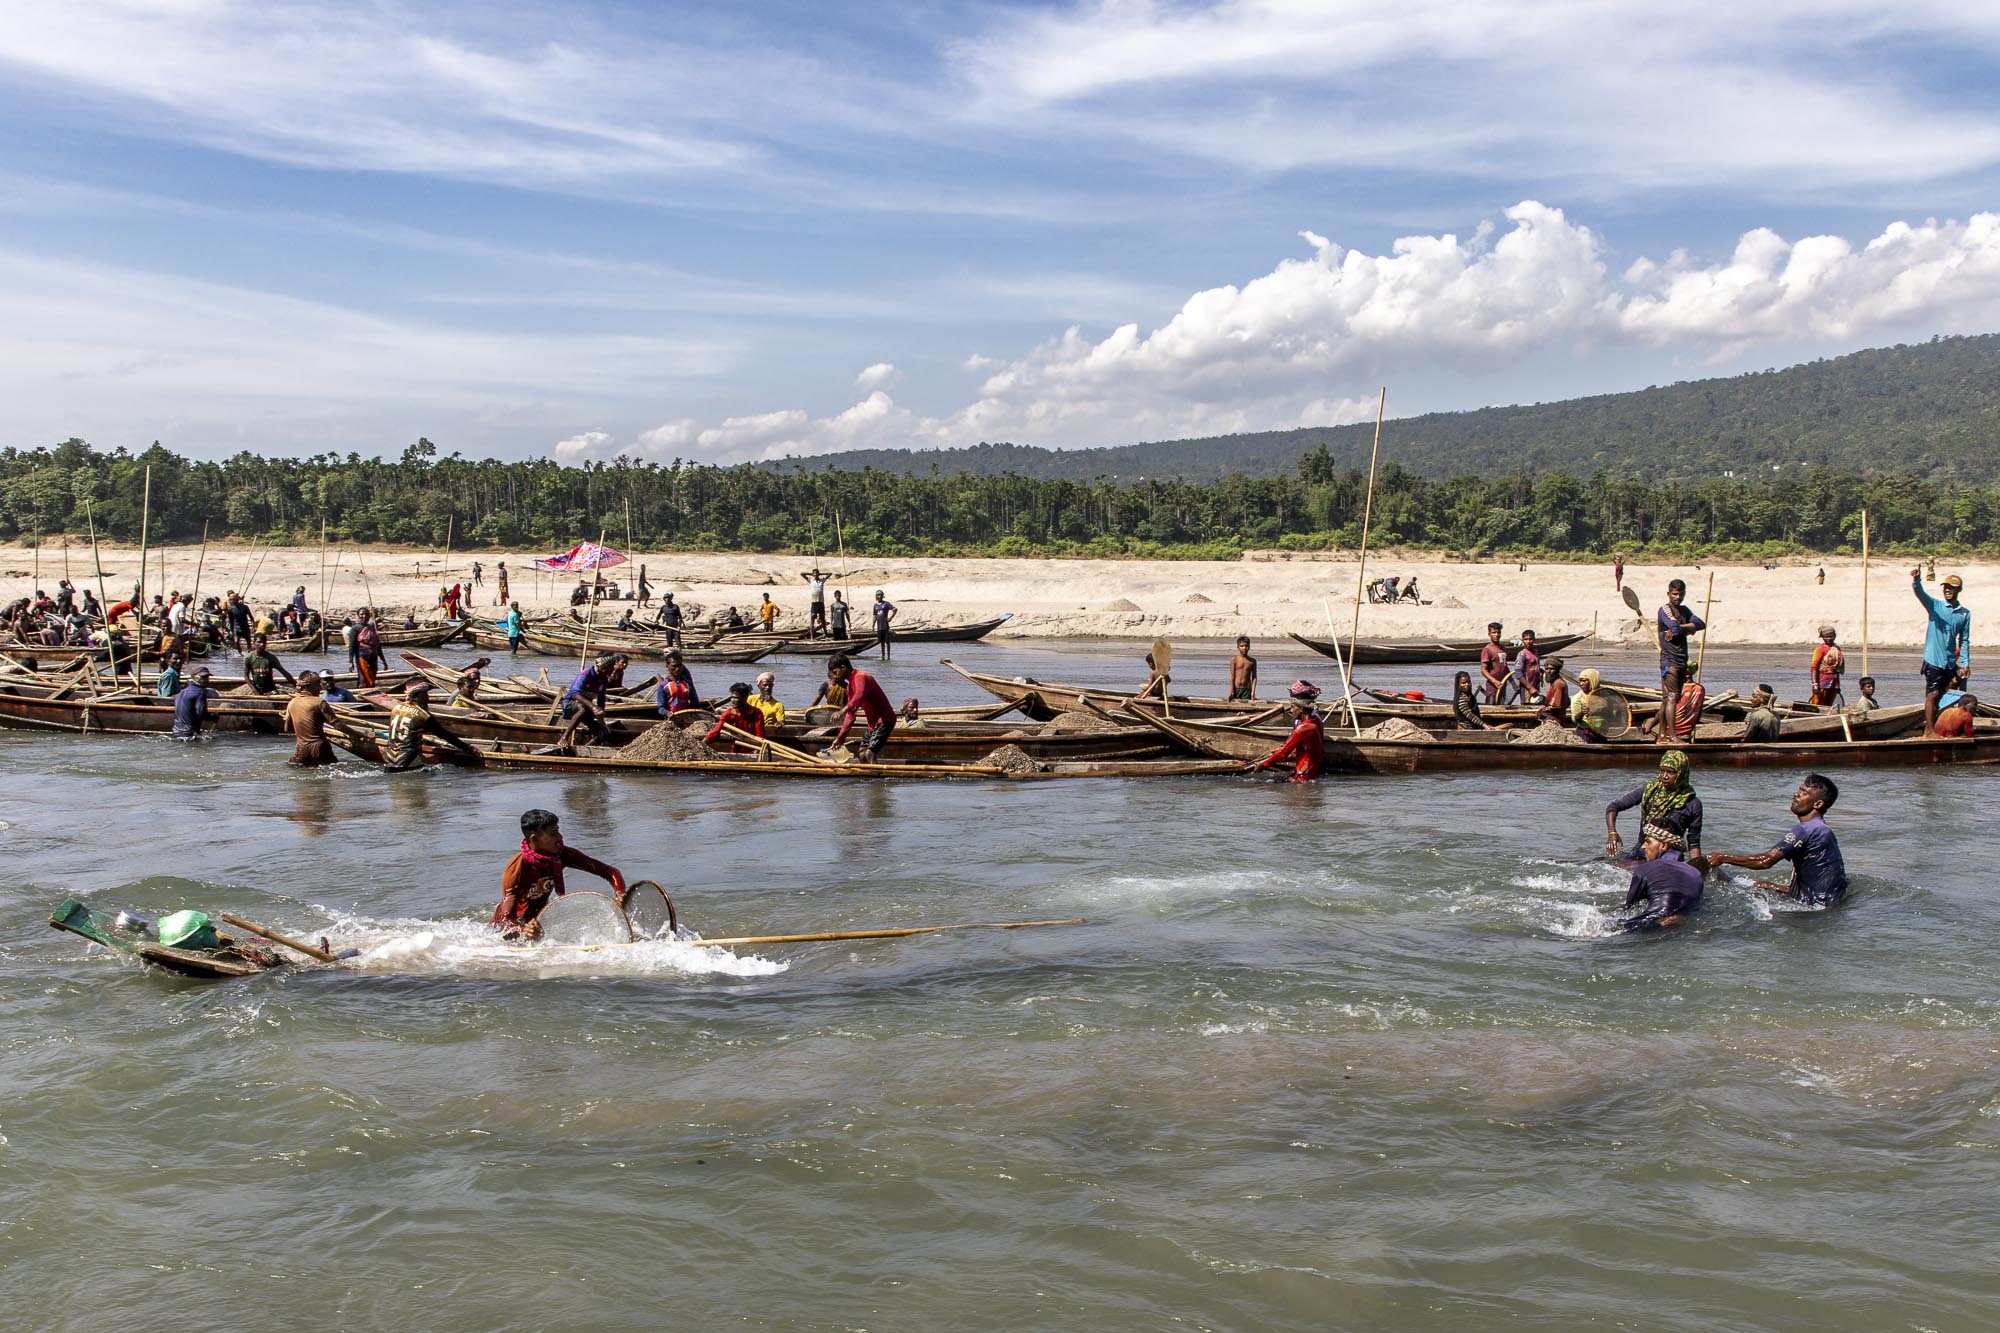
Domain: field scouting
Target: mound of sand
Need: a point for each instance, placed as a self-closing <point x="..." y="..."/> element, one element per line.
<point x="668" y="741"/>
<point x="1122" y="604"/>
<point x="1394" y="729"/>
<point x="1548" y="733"/>
<point x="1011" y="759"/>
<point x="1450" y="604"/>
<point x="1076" y="721"/>
<point x="1196" y="597"/>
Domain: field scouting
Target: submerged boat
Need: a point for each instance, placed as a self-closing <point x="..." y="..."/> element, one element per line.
<point x="137" y="937"/>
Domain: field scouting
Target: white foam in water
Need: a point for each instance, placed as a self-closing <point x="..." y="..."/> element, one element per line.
<point x="1548" y="900"/>
<point x="472" y="948"/>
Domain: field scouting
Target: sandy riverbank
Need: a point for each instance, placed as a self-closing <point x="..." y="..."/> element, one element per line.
<point x="1263" y="598"/>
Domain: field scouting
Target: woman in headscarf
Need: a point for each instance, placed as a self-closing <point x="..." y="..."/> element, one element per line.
<point x="1580" y="707"/>
<point x="1305" y="748"/>
<point x="1667" y="801"/>
<point x="1465" y="705"/>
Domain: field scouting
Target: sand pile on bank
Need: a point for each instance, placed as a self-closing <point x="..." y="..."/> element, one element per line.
<point x="668" y="742"/>
<point x="1124" y="604"/>
<point x="1197" y="597"/>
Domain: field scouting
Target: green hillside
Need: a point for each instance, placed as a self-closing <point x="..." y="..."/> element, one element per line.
<point x="1931" y="408"/>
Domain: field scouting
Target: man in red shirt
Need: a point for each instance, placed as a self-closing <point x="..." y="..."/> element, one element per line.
<point x="1306" y="746"/>
<point x="535" y="875"/>
<point x="1493" y="664"/>
<point x="865" y="696"/>
<point x="738" y="714"/>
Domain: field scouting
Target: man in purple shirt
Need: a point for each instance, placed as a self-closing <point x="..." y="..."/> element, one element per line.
<point x="1664" y="881"/>
<point x="1819" y="875"/>
<point x="1672" y="625"/>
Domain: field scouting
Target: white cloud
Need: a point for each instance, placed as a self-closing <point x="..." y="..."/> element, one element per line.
<point x="1262" y="355"/>
<point x="589" y="444"/>
<point x="878" y="376"/>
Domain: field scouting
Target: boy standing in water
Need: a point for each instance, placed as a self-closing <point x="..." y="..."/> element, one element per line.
<point x="1242" y="671"/>
<point x="1819" y="875"/>
<point x="536" y="874"/>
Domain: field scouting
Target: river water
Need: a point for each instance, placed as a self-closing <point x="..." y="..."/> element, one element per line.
<point x="1364" y="1054"/>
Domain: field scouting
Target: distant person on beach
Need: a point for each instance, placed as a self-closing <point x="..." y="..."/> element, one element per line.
<point x="1673" y="623"/>
<point x="816" y="601"/>
<point x="500" y="587"/>
<point x="1667" y="802"/>
<point x="1493" y="664"/>
<point x="1947" y="643"/>
<point x="1828" y="664"/>
<point x="837" y="617"/>
<point x="1822" y="575"/>
<point x="513" y="627"/>
<point x="884" y="612"/>
<point x="476" y="578"/>
<point x="1242" y="671"/>
<point x="535" y="875"/>
<point x="1618" y="572"/>
<point x="1305" y="747"/>
<point x="1819" y="874"/>
<point x="1664" y="881"/>
<point x="645" y="588"/>
<point x="767" y="613"/>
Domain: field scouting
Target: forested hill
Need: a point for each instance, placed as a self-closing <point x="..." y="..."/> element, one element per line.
<point x="1930" y="408"/>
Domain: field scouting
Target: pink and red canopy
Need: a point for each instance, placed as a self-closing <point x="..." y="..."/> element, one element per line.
<point x="583" y="555"/>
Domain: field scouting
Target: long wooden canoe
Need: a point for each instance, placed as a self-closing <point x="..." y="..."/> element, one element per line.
<point x="1492" y="751"/>
<point x="1384" y="653"/>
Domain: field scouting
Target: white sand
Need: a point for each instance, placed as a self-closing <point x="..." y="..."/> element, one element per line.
<point x="1263" y="595"/>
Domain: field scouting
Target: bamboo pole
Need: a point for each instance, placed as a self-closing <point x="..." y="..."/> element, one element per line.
<point x="251" y="582"/>
<point x="1367" y="519"/>
<point x="840" y="536"/>
<point x="1701" y="650"/>
<point x="634" y="570"/>
<point x="770" y="746"/>
<point x="590" y="616"/>
<point x="194" y="598"/>
<point x="139" y="598"/>
<point x="1864" y="592"/>
<point x="104" y="598"/>
<point x="817" y="936"/>
<point x="310" y="951"/>
<point x="322" y="567"/>
<point x="1346" y="684"/>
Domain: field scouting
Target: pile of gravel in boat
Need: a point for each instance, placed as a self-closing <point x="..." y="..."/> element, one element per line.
<point x="1011" y="759"/>
<point x="1548" y="733"/>
<point x="1076" y="721"/>
<point x="1394" y="729"/>
<point x="668" y="741"/>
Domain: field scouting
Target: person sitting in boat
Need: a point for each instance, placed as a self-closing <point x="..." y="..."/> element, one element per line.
<point x="1667" y="802"/>
<point x="1555" y="693"/>
<point x="1867" y="703"/>
<point x="168" y="683"/>
<point x="1465" y="704"/>
<point x="409" y="722"/>
<point x="535" y="875"/>
<point x="676" y="689"/>
<point x="583" y="702"/>
<point x="765" y="700"/>
<point x="1761" y="724"/>
<point x="627" y="621"/>
<point x="1584" y="705"/>
<point x="1664" y="881"/>
<point x="1955" y="713"/>
<point x="741" y="714"/>
<point x="832" y="693"/>
<point x="1305" y="748"/>
<point x="1156" y="681"/>
<point x="467" y="688"/>
<point x="733" y="619"/>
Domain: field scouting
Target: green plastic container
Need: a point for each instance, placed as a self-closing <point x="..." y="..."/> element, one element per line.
<point x="188" y="930"/>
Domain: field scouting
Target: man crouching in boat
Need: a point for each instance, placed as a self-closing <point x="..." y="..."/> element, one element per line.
<point x="536" y="874"/>
<point x="1664" y="881"/>
<point x="1306" y="746"/>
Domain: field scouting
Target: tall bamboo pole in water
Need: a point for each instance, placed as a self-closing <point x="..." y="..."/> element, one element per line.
<point x="1864" y="592"/>
<point x="194" y="598"/>
<point x="139" y="597"/>
<point x="1361" y="572"/>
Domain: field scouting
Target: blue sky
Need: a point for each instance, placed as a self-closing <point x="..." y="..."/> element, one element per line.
<point x="586" y="229"/>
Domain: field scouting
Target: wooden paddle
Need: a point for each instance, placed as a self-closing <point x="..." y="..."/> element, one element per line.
<point x="1632" y="600"/>
<point x="309" y="950"/>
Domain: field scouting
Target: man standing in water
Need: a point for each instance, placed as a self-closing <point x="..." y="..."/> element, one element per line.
<point x="1305" y="748"/>
<point x="191" y="706"/>
<point x="884" y="611"/>
<point x="1242" y="671"/>
<point x="1819" y="875"/>
<point x="306" y="717"/>
<point x="535" y="875"/>
<point x="409" y="722"/>
<point x="865" y="697"/>
<point x="1947" y="643"/>
<point x="1673" y="624"/>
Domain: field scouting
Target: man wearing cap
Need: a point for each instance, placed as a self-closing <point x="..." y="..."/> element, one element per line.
<point x="884" y="612"/>
<point x="1947" y="643"/>
<point x="409" y="722"/>
<point x="1664" y="881"/>
<point x="765" y="700"/>
<point x="1306" y="746"/>
<point x="1828" y="664"/>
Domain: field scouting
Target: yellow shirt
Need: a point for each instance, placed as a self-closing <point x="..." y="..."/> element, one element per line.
<point x="773" y="711"/>
<point x="768" y="613"/>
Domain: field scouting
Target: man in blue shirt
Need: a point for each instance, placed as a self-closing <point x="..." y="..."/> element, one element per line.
<point x="191" y="706"/>
<point x="1819" y="875"/>
<point x="583" y="704"/>
<point x="1664" y="881"/>
<point x="1947" y="643"/>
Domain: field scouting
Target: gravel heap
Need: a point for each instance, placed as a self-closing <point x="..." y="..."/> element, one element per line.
<point x="1076" y="721"/>
<point x="668" y="741"/>
<point x="1394" y="729"/>
<point x="1548" y="733"/>
<point x="1012" y="759"/>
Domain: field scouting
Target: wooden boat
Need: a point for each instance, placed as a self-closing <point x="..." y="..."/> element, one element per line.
<point x="1383" y="653"/>
<point x="423" y="636"/>
<point x="595" y="759"/>
<point x="966" y="633"/>
<point x="544" y="643"/>
<point x="1493" y="751"/>
<point x="235" y="958"/>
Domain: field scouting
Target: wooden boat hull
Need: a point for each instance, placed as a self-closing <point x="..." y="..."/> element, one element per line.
<point x="262" y="716"/>
<point x="1423" y="654"/>
<point x="235" y="959"/>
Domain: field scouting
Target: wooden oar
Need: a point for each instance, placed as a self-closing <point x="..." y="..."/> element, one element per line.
<point x="797" y="756"/>
<point x="885" y="934"/>
<point x="309" y="950"/>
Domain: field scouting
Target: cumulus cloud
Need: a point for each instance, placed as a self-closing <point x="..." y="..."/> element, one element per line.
<point x="1260" y="356"/>
<point x="878" y="376"/>
<point x="588" y="444"/>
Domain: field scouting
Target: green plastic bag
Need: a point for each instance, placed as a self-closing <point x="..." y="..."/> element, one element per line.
<point x="188" y="930"/>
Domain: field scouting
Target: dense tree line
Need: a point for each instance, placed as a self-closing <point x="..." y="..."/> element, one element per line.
<point x="422" y="499"/>
<point x="1930" y="408"/>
